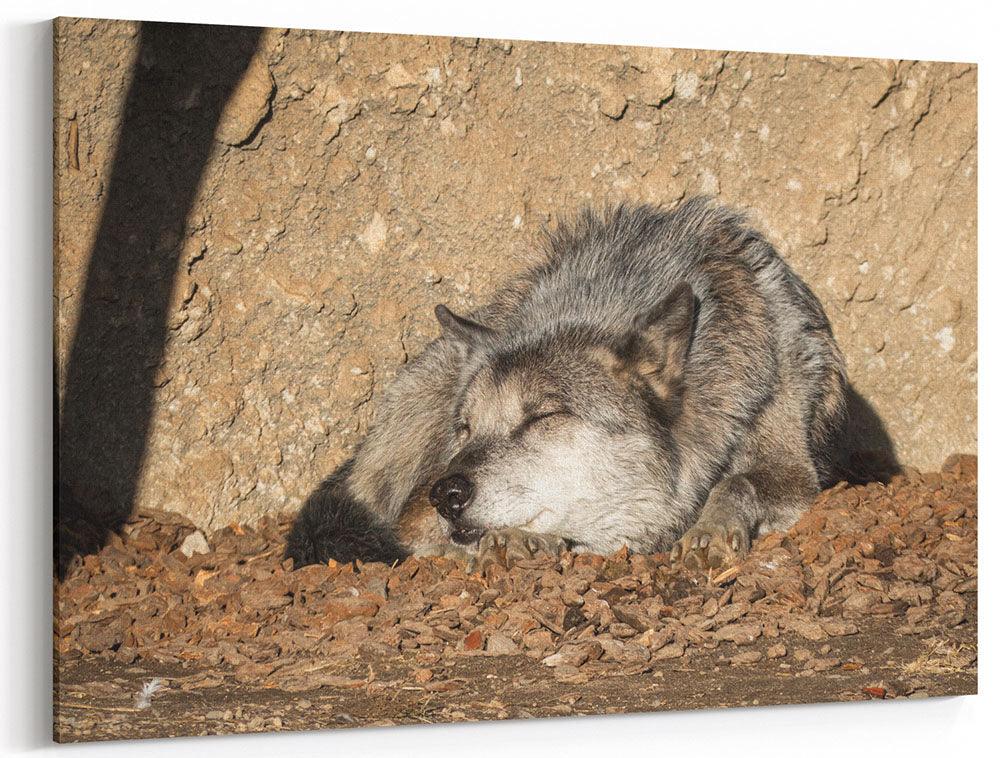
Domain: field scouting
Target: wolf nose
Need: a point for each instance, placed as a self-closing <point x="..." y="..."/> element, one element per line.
<point x="450" y="495"/>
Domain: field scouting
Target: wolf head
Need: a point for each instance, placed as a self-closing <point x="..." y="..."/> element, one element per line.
<point x="565" y="429"/>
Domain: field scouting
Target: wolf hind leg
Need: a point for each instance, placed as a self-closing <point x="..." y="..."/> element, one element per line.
<point x="739" y="508"/>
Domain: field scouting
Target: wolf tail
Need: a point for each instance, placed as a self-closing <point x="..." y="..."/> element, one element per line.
<point x="334" y="525"/>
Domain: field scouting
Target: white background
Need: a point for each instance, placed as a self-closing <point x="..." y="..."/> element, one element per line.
<point x="953" y="31"/>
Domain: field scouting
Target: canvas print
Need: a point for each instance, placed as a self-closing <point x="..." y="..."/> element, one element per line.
<point x="408" y="379"/>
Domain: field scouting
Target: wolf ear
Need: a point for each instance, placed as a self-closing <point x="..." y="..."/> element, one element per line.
<point x="472" y="333"/>
<point x="658" y="347"/>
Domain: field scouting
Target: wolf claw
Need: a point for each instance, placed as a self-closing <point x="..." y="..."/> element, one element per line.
<point x="711" y="546"/>
<point x="507" y="546"/>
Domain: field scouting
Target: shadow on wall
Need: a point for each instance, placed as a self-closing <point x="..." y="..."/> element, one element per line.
<point x="868" y="452"/>
<point x="183" y="77"/>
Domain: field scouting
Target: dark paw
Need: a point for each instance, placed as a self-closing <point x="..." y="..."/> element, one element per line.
<point x="711" y="546"/>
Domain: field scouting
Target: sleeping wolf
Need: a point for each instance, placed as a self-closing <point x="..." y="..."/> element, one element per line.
<point x="663" y="381"/>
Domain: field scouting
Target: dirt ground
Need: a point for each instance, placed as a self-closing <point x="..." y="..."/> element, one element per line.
<point x="473" y="689"/>
<point x="872" y="595"/>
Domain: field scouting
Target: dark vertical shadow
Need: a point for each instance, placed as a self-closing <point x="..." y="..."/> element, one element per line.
<point x="183" y="76"/>
<point x="867" y="452"/>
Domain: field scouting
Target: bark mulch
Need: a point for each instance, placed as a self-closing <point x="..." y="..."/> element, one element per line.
<point x="226" y="609"/>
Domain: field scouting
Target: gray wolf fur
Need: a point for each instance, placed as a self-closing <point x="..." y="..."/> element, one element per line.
<point x="663" y="380"/>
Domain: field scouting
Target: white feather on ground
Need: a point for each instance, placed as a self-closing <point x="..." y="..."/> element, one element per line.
<point x="144" y="696"/>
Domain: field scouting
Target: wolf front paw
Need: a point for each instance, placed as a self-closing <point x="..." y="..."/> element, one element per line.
<point x="450" y="551"/>
<point x="711" y="546"/>
<point x="507" y="546"/>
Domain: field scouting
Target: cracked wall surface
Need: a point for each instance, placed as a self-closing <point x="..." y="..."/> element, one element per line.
<point x="355" y="180"/>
